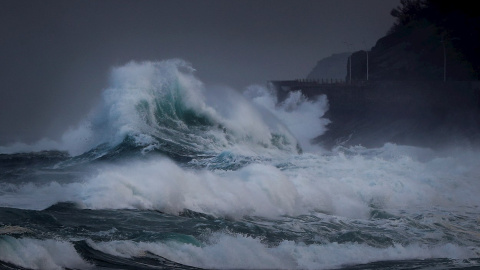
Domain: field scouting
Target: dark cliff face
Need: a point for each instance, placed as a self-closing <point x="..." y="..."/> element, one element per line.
<point x="436" y="40"/>
<point x="422" y="84"/>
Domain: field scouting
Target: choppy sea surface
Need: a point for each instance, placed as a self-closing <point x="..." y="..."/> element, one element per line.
<point x="167" y="174"/>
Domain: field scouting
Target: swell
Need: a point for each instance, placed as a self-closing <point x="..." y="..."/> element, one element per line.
<point x="228" y="252"/>
<point x="161" y="107"/>
<point x="351" y="183"/>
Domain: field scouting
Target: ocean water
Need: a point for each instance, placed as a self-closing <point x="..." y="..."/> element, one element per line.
<point x="168" y="174"/>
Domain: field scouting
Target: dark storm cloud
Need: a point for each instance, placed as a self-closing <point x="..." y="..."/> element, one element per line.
<point x="55" y="56"/>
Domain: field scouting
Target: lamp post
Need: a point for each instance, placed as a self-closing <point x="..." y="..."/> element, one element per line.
<point x="349" y="45"/>
<point x="444" y="61"/>
<point x="366" y="51"/>
<point x="350" y="69"/>
<point x="445" y="55"/>
<point x="367" y="64"/>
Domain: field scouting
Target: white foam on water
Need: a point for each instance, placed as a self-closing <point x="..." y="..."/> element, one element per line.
<point x="40" y="254"/>
<point x="148" y="100"/>
<point x="348" y="185"/>
<point x="254" y="190"/>
<point x="351" y="184"/>
<point x="228" y="251"/>
<point x="301" y="116"/>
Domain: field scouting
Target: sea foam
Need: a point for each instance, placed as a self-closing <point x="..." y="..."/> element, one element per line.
<point x="40" y="254"/>
<point x="349" y="185"/>
<point x="228" y="251"/>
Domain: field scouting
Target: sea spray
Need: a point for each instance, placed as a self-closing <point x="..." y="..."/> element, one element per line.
<point x="227" y="251"/>
<point x="163" y="106"/>
<point x="40" y="254"/>
<point x="303" y="117"/>
<point x="179" y="174"/>
<point x="351" y="185"/>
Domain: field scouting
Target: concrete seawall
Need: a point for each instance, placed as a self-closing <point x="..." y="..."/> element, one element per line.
<point x="427" y="113"/>
<point x="385" y="95"/>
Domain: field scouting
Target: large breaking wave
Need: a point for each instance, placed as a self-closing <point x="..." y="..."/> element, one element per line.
<point x="237" y="194"/>
<point x="163" y="107"/>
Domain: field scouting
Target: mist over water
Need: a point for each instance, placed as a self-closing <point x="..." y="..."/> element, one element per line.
<point x="152" y="102"/>
<point x="303" y="117"/>
<point x="167" y="171"/>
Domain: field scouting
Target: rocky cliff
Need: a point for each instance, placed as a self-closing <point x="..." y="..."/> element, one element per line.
<point x="431" y="40"/>
<point x="422" y="86"/>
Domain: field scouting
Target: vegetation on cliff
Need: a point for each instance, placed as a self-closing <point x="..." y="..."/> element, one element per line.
<point x="430" y="40"/>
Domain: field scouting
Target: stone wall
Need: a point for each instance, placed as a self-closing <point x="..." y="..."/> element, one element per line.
<point x="389" y="95"/>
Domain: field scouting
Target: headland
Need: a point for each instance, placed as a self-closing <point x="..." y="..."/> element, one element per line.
<point x="419" y="84"/>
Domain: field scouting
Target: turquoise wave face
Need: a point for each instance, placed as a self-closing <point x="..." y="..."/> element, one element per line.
<point x="161" y="107"/>
<point x="237" y="195"/>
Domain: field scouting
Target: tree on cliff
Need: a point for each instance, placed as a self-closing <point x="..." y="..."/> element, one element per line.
<point x="455" y="24"/>
<point x="410" y="10"/>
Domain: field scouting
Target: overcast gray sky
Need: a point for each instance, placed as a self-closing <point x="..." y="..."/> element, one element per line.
<point x="55" y="56"/>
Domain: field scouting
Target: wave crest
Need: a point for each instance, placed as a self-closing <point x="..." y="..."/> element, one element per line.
<point x="162" y="106"/>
